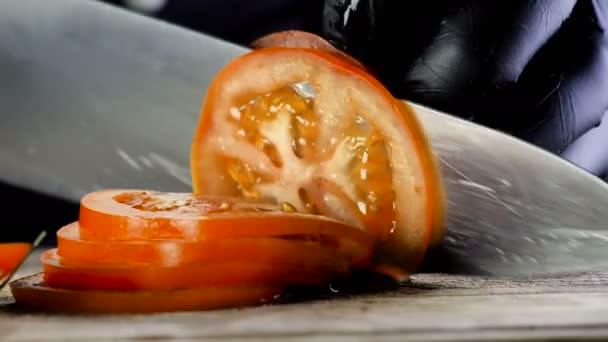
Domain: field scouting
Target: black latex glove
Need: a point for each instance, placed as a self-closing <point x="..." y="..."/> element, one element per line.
<point x="536" y="69"/>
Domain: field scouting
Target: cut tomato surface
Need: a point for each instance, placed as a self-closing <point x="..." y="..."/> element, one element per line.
<point x="32" y="292"/>
<point x="307" y="129"/>
<point x="11" y="256"/>
<point x="64" y="273"/>
<point x="294" y="250"/>
<point x="144" y="215"/>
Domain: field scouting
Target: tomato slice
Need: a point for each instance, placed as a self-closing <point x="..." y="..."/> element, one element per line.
<point x="11" y="256"/>
<point x="304" y="128"/>
<point x="33" y="293"/>
<point x="145" y="215"/>
<point x="64" y="273"/>
<point x="297" y="250"/>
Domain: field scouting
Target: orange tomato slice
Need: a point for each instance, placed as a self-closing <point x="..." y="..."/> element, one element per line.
<point x="11" y="256"/>
<point x="33" y="293"/>
<point x="64" y="273"/>
<point x="282" y="251"/>
<point x="145" y="215"/>
<point x="308" y="129"/>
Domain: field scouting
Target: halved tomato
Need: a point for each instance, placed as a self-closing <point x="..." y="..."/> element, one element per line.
<point x="64" y="273"/>
<point x="11" y="255"/>
<point x="296" y="250"/>
<point x="307" y="129"/>
<point x="33" y="293"/>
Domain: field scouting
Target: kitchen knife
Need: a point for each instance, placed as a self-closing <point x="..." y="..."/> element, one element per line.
<point x="93" y="97"/>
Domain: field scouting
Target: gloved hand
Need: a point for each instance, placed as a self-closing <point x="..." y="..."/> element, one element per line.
<point x="536" y="69"/>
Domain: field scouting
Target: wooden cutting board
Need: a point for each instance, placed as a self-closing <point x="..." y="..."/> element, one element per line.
<point x="431" y="307"/>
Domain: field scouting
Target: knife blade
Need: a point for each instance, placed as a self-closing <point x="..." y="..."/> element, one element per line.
<point x="95" y="97"/>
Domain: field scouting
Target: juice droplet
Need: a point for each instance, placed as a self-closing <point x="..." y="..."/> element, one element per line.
<point x="220" y="208"/>
<point x="362" y="207"/>
<point x="288" y="207"/>
<point x="304" y="89"/>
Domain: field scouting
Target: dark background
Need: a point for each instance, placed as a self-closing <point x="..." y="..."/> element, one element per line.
<point x="26" y="213"/>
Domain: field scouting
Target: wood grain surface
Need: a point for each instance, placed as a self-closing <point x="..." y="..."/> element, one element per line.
<point x="432" y="307"/>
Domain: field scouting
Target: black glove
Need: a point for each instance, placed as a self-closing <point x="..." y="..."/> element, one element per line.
<point x="536" y="69"/>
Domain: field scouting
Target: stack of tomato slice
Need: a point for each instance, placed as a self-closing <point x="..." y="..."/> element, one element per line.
<point x="304" y="167"/>
<point x="139" y="251"/>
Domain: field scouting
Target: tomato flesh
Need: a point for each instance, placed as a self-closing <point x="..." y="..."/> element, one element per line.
<point x="32" y="292"/>
<point x="285" y="121"/>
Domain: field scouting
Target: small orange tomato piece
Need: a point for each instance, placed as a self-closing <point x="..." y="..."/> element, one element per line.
<point x="11" y="255"/>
